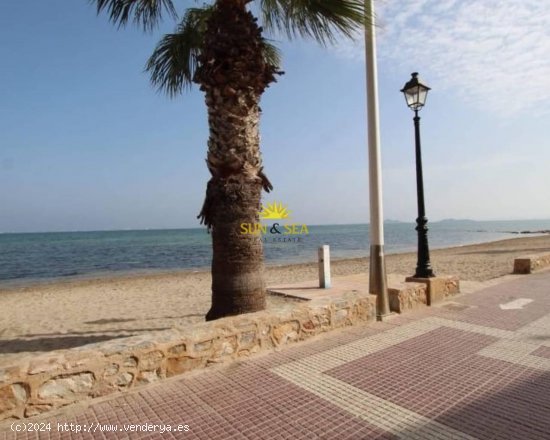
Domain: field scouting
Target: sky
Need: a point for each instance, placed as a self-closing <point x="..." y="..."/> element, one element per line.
<point x="86" y="143"/>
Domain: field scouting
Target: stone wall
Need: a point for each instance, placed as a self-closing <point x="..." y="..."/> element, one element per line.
<point x="530" y="263"/>
<point x="41" y="383"/>
<point x="439" y="288"/>
<point x="405" y="297"/>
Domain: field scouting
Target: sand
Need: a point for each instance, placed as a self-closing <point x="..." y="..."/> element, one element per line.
<point x="63" y="314"/>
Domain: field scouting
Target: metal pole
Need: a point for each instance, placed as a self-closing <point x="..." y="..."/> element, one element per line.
<point x="377" y="278"/>
<point x="423" y="265"/>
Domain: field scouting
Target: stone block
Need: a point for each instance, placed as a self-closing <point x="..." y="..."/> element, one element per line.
<point x="405" y="297"/>
<point x="177" y="349"/>
<point x="104" y="388"/>
<point x="147" y="377"/>
<point x="47" y="364"/>
<point x="341" y="317"/>
<point x="248" y="339"/>
<point x="35" y="410"/>
<point x="530" y="263"/>
<point x="285" y="332"/>
<point x="365" y="308"/>
<point x="8" y="374"/>
<point x="318" y="319"/>
<point x="522" y="265"/>
<point x="439" y="288"/>
<point x="541" y="262"/>
<point x="12" y="396"/>
<point x="203" y="346"/>
<point x="71" y="387"/>
<point x="110" y="370"/>
<point x="130" y="362"/>
<point x="151" y="360"/>
<point x="124" y="379"/>
<point x="182" y="364"/>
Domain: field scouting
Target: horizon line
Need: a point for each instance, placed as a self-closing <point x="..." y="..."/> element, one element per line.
<point x="309" y="225"/>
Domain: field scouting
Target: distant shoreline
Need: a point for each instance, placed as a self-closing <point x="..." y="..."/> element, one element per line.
<point x="544" y="231"/>
<point x="123" y="275"/>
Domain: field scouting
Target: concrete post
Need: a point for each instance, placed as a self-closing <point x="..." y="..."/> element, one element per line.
<point x="377" y="279"/>
<point x="324" y="267"/>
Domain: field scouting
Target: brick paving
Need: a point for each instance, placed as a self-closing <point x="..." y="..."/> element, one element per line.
<point x="467" y="369"/>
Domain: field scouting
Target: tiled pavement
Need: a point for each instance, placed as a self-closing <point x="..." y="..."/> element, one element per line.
<point x="464" y="370"/>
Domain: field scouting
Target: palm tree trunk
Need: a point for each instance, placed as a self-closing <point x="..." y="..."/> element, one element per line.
<point x="233" y="74"/>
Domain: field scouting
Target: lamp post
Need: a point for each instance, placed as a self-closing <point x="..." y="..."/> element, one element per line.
<point x="415" y="94"/>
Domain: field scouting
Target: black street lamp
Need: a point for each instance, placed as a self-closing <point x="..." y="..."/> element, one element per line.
<point x="415" y="94"/>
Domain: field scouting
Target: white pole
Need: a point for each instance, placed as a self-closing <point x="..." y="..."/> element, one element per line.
<point x="324" y="266"/>
<point x="377" y="278"/>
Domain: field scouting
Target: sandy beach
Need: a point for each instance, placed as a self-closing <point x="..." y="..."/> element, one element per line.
<point x="49" y="316"/>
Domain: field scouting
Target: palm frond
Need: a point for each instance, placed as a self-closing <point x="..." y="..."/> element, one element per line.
<point x="174" y="60"/>
<point x="146" y="14"/>
<point x="272" y="54"/>
<point x="321" y="20"/>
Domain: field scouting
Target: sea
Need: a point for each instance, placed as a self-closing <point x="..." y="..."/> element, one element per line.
<point x="36" y="257"/>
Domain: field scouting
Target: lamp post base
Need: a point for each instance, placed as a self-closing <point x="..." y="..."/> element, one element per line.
<point x="438" y="288"/>
<point x="424" y="273"/>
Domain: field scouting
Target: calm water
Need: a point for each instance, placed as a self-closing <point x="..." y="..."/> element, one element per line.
<point x="28" y="257"/>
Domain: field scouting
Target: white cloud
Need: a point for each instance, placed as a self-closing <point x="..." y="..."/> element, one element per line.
<point x="494" y="54"/>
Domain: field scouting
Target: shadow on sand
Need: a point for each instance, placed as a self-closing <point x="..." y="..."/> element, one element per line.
<point x="504" y="251"/>
<point x="120" y="320"/>
<point x="54" y="342"/>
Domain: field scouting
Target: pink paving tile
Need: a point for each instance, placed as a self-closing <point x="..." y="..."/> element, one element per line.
<point x="446" y="343"/>
<point x="492" y="316"/>
<point x="483" y="420"/>
<point x="517" y="405"/>
<point x="542" y="352"/>
<point x="437" y="374"/>
<point x="319" y="343"/>
<point x="426" y="355"/>
<point x="532" y="388"/>
<point x="259" y="412"/>
<point x="483" y="307"/>
<point x="428" y="379"/>
<point x="225" y="409"/>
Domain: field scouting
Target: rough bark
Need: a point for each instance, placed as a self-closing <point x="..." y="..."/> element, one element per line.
<point x="233" y="74"/>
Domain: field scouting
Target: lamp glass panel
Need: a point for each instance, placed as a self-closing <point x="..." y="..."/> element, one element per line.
<point x="411" y="95"/>
<point x="422" y="94"/>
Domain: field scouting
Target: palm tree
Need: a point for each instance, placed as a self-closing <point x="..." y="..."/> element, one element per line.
<point x="221" y="47"/>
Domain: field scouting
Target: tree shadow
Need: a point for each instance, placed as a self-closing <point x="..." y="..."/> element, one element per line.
<point x="102" y="331"/>
<point x="109" y="321"/>
<point x="504" y="251"/>
<point x="121" y="320"/>
<point x="515" y="407"/>
<point x="35" y="342"/>
<point x="52" y="343"/>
